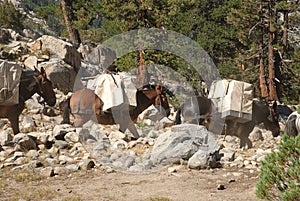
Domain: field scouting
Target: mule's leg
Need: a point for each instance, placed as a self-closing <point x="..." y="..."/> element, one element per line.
<point x="178" y="116"/>
<point x="14" y="120"/>
<point x="66" y="112"/>
<point x="81" y="119"/>
<point x="122" y="117"/>
<point x="243" y="132"/>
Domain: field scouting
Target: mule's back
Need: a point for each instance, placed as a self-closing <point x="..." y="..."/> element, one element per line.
<point x="83" y="102"/>
<point x="292" y="127"/>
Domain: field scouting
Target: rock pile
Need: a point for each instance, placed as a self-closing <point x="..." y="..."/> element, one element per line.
<point x="56" y="149"/>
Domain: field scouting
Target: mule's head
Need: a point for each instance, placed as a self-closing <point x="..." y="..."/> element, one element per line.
<point x="44" y="88"/>
<point x="161" y="100"/>
<point x="272" y="121"/>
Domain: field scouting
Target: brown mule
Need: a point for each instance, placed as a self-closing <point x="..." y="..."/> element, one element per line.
<point x="123" y="115"/>
<point x="31" y="82"/>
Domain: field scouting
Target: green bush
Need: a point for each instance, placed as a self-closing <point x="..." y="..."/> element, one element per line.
<point x="9" y="16"/>
<point x="279" y="177"/>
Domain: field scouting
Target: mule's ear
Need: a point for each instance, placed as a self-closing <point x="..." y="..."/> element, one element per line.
<point x="36" y="70"/>
<point x="43" y="72"/>
<point x="275" y="105"/>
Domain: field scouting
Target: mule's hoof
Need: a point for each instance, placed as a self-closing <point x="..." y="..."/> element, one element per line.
<point x="134" y="138"/>
<point x="130" y="138"/>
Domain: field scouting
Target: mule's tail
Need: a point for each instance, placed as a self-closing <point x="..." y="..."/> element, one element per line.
<point x="66" y="111"/>
<point x="178" y="116"/>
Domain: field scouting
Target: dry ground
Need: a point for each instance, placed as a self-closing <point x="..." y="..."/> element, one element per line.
<point x="182" y="185"/>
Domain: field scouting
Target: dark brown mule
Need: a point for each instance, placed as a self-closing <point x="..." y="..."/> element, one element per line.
<point x="31" y="82"/>
<point x="122" y="115"/>
<point x="202" y="108"/>
<point x="195" y="110"/>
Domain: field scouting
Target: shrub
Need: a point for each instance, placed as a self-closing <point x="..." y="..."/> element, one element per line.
<point x="9" y="16"/>
<point x="279" y="177"/>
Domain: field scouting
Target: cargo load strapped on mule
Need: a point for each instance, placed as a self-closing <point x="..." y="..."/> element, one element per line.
<point x="10" y="74"/>
<point x="233" y="99"/>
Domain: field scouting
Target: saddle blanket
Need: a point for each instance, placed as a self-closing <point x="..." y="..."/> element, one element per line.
<point x="10" y="74"/>
<point x="114" y="89"/>
<point x="233" y="99"/>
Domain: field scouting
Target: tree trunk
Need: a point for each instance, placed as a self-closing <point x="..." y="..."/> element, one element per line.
<point x="272" y="87"/>
<point x="142" y="77"/>
<point x="69" y="17"/>
<point x="285" y="28"/>
<point x="262" y="73"/>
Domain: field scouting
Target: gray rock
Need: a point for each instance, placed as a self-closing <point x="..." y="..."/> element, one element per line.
<point x="61" y="144"/>
<point x="62" y="50"/>
<point x="87" y="164"/>
<point x="47" y="172"/>
<point x="61" y="74"/>
<point x="28" y="125"/>
<point x="59" y="131"/>
<point x="73" y="167"/>
<point x="24" y="141"/>
<point x="5" y="138"/>
<point x="203" y="159"/>
<point x="31" y="62"/>
<point x="28" y="33"/>
<point x="181" y="142"/>
<point x="72" y="137"/>
<point x="256" y="134"/>
<point x="97" y="54"/>
<point x="58" y="170"/>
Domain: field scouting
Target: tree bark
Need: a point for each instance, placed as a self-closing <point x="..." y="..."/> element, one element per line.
<point x="262" y="73"/>
<point x="272" y="87"/>
<point x="69" y="17"/>
<point x="285" y="28"/>
<point x="142" y="77"/>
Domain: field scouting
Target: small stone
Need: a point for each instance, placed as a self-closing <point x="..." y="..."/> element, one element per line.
<point x="221" y="187"/>
<point x="60" y="170"/>
<point x="47" y="171"/>
<point x="87" y="164"/>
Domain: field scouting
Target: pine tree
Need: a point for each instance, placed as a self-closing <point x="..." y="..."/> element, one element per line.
<point x="279" y="172"/>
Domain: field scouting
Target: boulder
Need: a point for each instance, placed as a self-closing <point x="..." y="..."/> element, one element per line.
<point x="182" y="142"/>
<point x="60" y="73"/>
<point x="97" y="54"/>
<point x="28" y="33"/>
<point x="62" y="50"/>
<point x="31" y="62"/>
<point x="24" y="141"/>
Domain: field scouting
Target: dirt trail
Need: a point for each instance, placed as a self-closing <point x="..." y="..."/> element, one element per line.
<point x="182" y="185"/>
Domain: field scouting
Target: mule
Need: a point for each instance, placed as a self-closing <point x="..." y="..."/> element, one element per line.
<point x="195" y="110"/>
<point x="205" y="111"/>
<point x="89" y="107"/>
<point x="292" y="126"/>
<point x="31" y="82"/>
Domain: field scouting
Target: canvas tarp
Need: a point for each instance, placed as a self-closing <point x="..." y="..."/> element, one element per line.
<point x="114" y="90"/>
<point x="233" y="99"/>
<point x="10" y="73"/>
